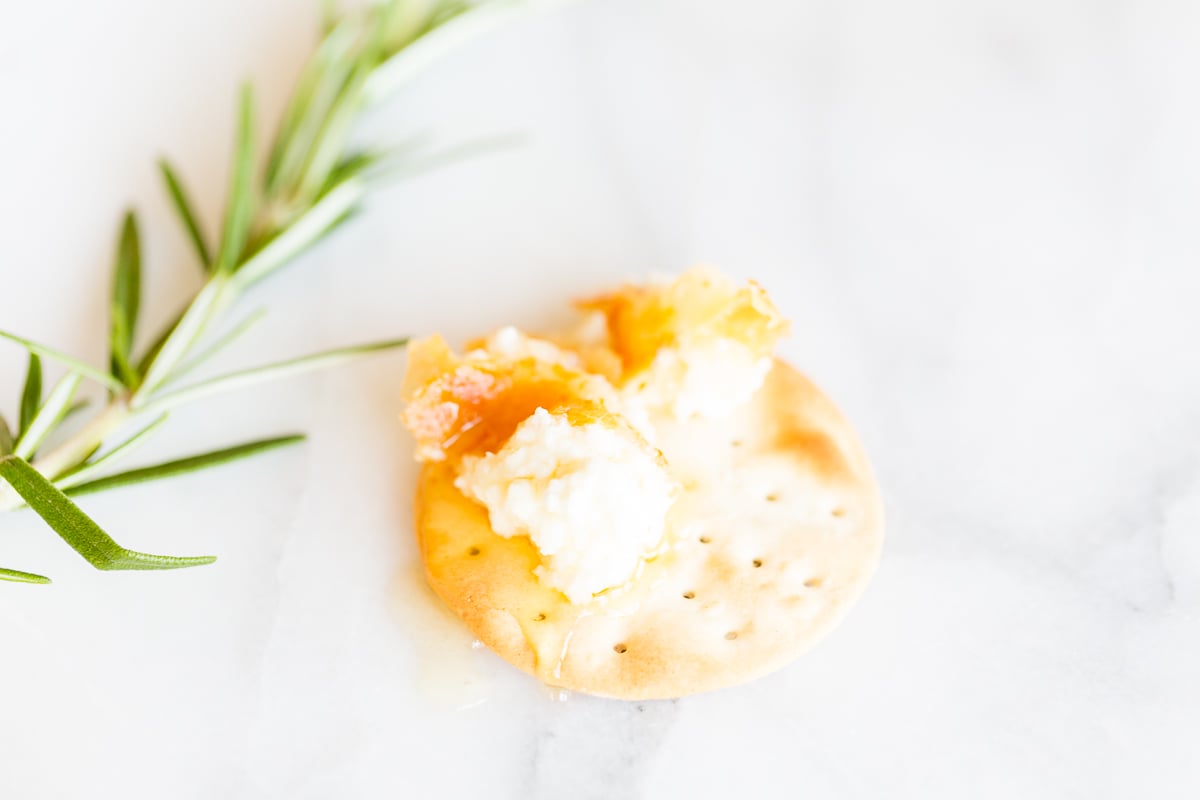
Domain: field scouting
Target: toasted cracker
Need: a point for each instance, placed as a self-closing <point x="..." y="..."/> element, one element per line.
<point x="777" y="531"/>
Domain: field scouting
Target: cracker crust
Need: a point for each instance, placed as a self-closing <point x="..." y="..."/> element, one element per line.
<point x="777" y="534"/>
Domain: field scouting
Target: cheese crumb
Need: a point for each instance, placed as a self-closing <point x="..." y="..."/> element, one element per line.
<point x="710" y="380"/>
<point x="592" y="497"/>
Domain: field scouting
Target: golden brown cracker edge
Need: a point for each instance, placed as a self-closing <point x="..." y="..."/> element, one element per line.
<point x="786" y="532"/>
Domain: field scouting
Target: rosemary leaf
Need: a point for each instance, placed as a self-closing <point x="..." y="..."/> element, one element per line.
<point x="319" y="220"/>
<point x="402" y="23"/>
<point x="91" y="468"/>
<point x="240" y="212"/>
<point x="6" y="437"/>
<point x="318" y="88"/>
<point x="330" y="14"/>
<point x="448" y="12"/>
<point x="31" y="395"/>
<point x="48" y="416"/>
<point x="72" y="363"/>
<point x="75" y="408"/>
<point x="352" y="166"/>
<point x="119" y="364"/>
<point x="16" y="576"/>
<point x="143" y="365"/>
<point x="332" y="138"/>
<point x="183" y="335"/>
<point x="179" y="197"/>
<point x="126" y="299"/>
<point x="57" y="474"/>
<point x="78" y="529"/>
<point x="220" y="344"/>
<point x="183" y="465"/>
<point x="409" y="58"/>
<point x="408" y="166"/>
<point x="249" y="377"/>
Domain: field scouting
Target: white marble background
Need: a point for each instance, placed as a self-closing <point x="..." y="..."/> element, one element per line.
<point x="984" y="218"/>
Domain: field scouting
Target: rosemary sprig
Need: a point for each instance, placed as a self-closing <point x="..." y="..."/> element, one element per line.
<point x="313" y="180"/>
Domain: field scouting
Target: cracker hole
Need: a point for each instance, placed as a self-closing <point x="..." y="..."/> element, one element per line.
<point x="619" y="648"/>
<point x="474" y="551"/>
<point x="838" y="512"/>
<point x="539" y="618"/>
<point x="757" y="563"/>
<point x="772" y="498"/>
<point x="814" y="583"/>
<point x="731" y="635"/>
<point x="689" y="595"/>
<point x="705" y="540"/>
<point x="736" y="443"/>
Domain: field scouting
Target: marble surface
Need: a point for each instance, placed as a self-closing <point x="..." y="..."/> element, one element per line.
<point x="982" y="217"/>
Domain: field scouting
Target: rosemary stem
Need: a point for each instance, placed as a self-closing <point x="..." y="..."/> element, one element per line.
<point x="74" y="449"/>
<point x="208" y="303"/>
<point x="87" y="439"/>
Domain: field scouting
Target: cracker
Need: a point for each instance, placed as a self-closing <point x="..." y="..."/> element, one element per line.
<point x="776" y="533"/>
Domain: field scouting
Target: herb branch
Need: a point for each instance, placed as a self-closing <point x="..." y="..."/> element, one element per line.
<point x="310" y="184"/>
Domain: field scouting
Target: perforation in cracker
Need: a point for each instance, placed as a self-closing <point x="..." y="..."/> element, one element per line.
<point x="776" y="533"/>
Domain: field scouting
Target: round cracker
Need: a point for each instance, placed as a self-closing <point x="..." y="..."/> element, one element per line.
<point x="775" y="534"/>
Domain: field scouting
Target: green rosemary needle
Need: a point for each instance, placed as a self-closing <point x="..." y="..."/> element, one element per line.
<point x="310" y="184"/>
